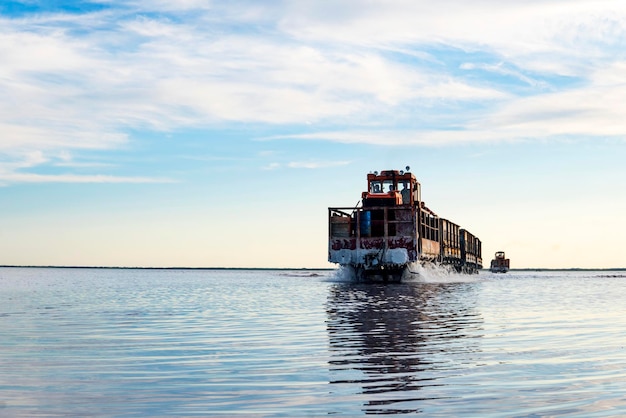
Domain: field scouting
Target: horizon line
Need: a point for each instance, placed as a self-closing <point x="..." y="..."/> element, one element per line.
<point x="285" y="268"/>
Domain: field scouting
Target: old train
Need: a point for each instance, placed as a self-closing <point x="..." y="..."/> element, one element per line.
<point x="500" y="264"/>
<point x="391" y="232"/>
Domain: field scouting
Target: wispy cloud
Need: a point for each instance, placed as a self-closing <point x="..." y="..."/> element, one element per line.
<point x="17" y="170"/>
<point x="310" y="165"/>
<point x="316" y="164"/>
<point x="422" y="72"/>
<point x="271" y="166"/>
<point x="73" y="178"/>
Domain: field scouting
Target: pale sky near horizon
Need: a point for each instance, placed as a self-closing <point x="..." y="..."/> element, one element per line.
<point x="198" y="133"/>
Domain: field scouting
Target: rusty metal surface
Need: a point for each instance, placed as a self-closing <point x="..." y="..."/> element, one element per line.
<point x="373" y="243"/>
<point x="341" y="244"/>
<point x="430" y="249"/>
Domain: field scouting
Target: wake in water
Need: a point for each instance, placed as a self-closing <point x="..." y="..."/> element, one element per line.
<point x="416" y="272"/>
<point x="300" y="274"/>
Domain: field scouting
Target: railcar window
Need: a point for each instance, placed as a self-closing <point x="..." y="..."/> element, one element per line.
<point x="429" y="226"/>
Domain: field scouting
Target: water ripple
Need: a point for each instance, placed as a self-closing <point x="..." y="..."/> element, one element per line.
<point x="81" y="342"/>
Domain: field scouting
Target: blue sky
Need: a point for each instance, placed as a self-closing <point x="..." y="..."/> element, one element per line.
<point x="216" y="134"/>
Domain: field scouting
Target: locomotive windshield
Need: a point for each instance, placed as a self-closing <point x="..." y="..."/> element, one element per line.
<point x="384" y="186"/>
<point x="388" y="186"/>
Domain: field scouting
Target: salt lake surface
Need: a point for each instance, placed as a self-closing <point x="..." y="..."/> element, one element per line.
<point x="109" y="342"/>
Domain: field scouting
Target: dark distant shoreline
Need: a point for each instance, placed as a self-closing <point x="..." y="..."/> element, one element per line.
<point x="169" y="268"/>
<point x="279" y="268"/>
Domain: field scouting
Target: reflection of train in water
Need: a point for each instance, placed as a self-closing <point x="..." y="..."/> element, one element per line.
<point x="393" y="229"/>
<point x="394" y="347"/>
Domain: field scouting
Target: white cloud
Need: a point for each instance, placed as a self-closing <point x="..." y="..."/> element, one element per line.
<point x="316" y="164"/>
<point x="389" y="137"/>
<point x="16" y="171"/>
<point x="596" y="110"/>
<point x="514" y="29"/>
<point x="310" y="165"/>
<point x="178" y="76"/>
<point x="73" y="178"/>
<point x="72" y="81"/>
<point x="272" y="166"/>
<point x="500" y="69"/>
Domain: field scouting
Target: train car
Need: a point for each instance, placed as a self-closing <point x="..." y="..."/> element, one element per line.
<point x="470" y="252"/>
<point x="391" y="230"/>
<point x="451" y="244"/>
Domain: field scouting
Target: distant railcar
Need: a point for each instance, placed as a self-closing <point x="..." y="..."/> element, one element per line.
<point x="499" y="264"/>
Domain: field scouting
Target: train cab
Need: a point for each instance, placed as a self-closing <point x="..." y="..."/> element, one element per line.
<point x="391" y="188"/>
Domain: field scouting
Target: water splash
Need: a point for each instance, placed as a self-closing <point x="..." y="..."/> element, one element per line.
<point x="343" y="274"/>
<point x="437" y="273"/>
<point x="414" y="273"/>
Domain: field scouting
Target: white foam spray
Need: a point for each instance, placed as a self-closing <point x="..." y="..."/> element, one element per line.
<point x="415" y="272"/>
<point x="344" y="274"/>
<point x="437" y="273"/>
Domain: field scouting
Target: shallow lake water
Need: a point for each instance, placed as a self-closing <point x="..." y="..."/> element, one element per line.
<point x="144" y="342"/>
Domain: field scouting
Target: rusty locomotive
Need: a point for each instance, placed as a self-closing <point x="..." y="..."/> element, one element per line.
<point x="500" y="264"/>
<point x="391" y="232"/>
